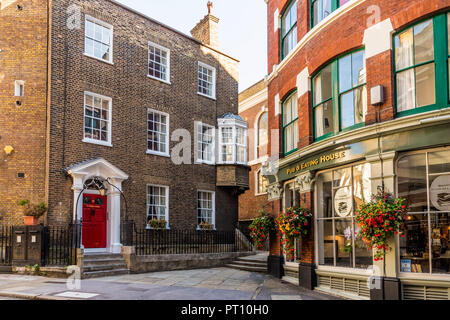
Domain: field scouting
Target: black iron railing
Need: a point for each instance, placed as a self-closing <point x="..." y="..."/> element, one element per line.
<point x="6" y="245"/>
<point x="157" y="242"/>
<point x="60" y="244"/>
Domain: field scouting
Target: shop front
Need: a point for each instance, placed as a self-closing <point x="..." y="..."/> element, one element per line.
<point x="334" y="182"/>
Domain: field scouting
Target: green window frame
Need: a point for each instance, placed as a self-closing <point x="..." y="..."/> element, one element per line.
<point x="320" y="9"/>
<point x="290" y="123"/>
<point x="422" y="66"/>
<point x="289" y="29"/>
<point x="340" y="96"/>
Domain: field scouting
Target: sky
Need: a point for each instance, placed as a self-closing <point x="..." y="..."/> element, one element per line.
<point x="242" y="28"/>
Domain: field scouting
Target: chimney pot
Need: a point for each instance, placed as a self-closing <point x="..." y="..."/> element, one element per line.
<point x="207" y="30"/>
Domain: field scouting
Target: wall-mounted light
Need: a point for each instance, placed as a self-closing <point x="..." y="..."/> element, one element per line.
<point x="377" y="95"/>
<point x="8" y="150"/>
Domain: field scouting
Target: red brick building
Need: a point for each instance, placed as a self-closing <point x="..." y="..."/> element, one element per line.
<point x="359" y="93"/>
<point x="96" y="96"/>
<point x="253" y="109"/>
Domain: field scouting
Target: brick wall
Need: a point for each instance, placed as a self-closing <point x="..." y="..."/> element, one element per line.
<point x="23" y="56"/>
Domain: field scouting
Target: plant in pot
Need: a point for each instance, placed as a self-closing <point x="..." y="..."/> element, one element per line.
<point x="293" y="223"/>
<point x="32" y="212"/>
<point x="260" y="229"/>
<point x="157" y="224"/>
<point x="206" y="226"/>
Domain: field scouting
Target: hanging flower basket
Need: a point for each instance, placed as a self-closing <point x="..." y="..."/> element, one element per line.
<point x="293" y="223"/>
<point x="379" y="220"/>
<point x="260" y="229"/>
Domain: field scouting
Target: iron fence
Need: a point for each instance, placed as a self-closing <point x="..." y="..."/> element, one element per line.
<point x="59" y="245"/>
<point x="157" y="242"/>
<point x="6" y="239"/>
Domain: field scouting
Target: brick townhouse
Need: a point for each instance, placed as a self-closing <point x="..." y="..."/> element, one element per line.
<point x="253" y="109"/>
<point x="359" y="91"/>
<point x="92" y="97"/>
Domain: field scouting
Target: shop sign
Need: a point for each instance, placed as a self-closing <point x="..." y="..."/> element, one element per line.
<point x="440" y="193"/>
<point x="316" y="162"/>
<point x="343" y="202"/>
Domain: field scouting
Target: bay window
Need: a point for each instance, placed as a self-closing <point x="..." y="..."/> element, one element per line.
<point x="421" y="52"/>
<point x="340" y="95"/>
<point x="290" y="124"/>
<point x="233" y="139"/>
<point x="424" y="180"/>
<point x="289" y="29"/>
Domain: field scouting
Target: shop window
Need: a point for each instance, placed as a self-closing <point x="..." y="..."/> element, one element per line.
<point x="424" y="180"/>
<point x="420" y="51"/>
<point x="290" y="124"/>
<point x="158" y="203"/>
<point x="340" y="95"/>
<point x="289" y="30"/>
<point x="340" y="193"/>
<point x="98" y="39"/>
<point x="320" y="9"/>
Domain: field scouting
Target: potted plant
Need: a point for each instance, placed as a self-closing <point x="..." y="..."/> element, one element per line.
<point x="260" y="229"/>
<point x="293" y="223"/>
<point x="379" y="220"/>
<point x="157" y="223"/>
<point x="206" y="226"/>
<point x="32" y="212"/>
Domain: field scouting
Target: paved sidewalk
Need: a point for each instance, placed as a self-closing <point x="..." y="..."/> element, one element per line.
<point x="200" y="284"/>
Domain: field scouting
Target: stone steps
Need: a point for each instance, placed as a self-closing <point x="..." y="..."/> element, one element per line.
<point x="253" y="264"/>
<point x="103" y="265"/>
<point x="247" y="268"/>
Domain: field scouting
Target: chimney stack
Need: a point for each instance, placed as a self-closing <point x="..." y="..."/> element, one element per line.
<point x="207" y="30"/>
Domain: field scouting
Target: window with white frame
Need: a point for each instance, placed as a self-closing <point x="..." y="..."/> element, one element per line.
<point x="205" y="143"/>
<point x="98" y="39"/>
<point x="158" y="62"/>
<point x="233" y="139"/>
<point x="19" y="86"/>
<point x="262" y="134"/>
<point x="157" y="203"/>
<point x="206" y="80"/>
<point x="157" y="132"/>
<point x="261" y="183"/>
<point x="97" y="118"/>
<point x="205" y="207"/>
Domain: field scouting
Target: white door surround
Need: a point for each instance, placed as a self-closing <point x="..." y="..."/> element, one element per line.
<point x="99" y="167"/>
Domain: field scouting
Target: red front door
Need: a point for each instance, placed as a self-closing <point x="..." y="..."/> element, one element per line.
<point x="94" y="221"/>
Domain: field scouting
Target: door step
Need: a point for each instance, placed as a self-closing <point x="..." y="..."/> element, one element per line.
<point x="103" y="265"/>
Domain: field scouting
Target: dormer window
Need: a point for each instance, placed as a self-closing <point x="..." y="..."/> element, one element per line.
<point x="233" y="139"/>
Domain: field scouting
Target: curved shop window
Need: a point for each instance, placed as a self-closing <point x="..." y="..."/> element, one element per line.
<point x="339" y="193"/>
<point x="422" y="66"/>
<point x="340" y="95"/>
<point x="424" y="180"/>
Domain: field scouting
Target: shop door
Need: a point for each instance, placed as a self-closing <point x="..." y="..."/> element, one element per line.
<point x="94" y="221"/>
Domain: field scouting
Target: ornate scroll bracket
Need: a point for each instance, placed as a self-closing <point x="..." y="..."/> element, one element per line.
<point x="274" y="192"/>
<point x="305" y="182"/>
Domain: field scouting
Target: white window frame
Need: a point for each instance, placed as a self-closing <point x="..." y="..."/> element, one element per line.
<point x="199" y="125"/>
<point x="157" y="46"/>
<point x="19" y="88"/>
<point x="213" y="213"/>
<point x="167" y="203"/>
<point x="158" y="153"/>
<point x="258" y="173"/>
<point x="94" y="141"/>
<point x="235" y="124"/>
<point x="213" y="93"/>
<point x="106" y="25"/>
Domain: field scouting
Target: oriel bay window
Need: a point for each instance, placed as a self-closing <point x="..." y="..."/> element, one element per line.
<point x="233" y="139"/>
<point x="424" y="180"/>
<point x="421" y="56"/>
<point x="340" y="95"/>
<point x="289" y="29"/>
<point x="290" y="124"/>
<point x="339" y="194"/>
